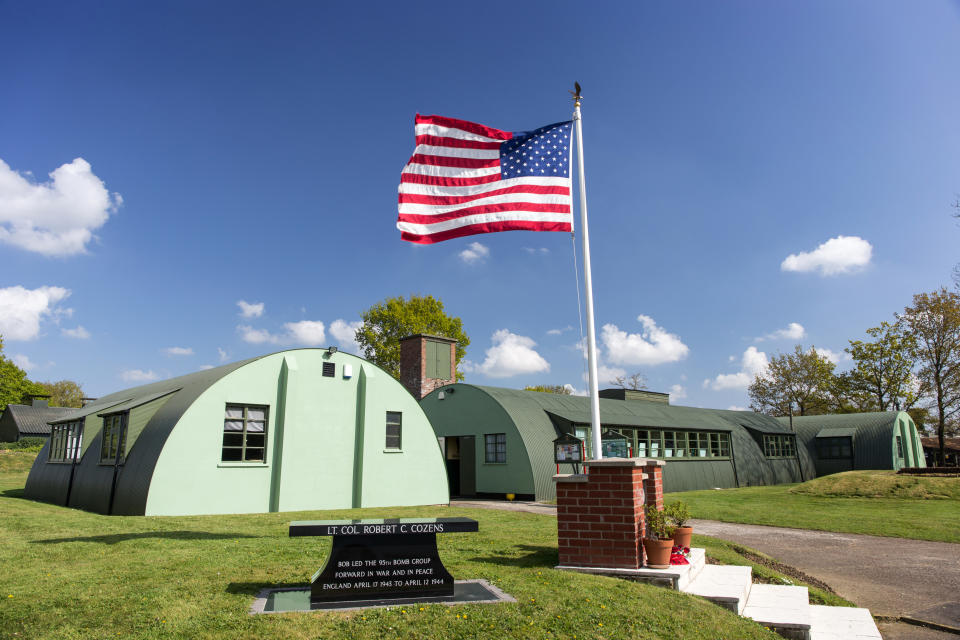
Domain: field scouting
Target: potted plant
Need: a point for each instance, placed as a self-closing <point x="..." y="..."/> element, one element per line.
<point x="657" y="541"/>
<point x="679" y="514"/>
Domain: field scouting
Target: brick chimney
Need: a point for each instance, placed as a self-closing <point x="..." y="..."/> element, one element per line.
<point x="427" y="362"/>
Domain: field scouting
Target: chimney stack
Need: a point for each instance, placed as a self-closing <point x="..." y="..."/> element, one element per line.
<point x="427" y="362"/>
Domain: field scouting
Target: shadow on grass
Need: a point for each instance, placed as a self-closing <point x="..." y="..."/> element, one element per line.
<point x="166" y="535"/>
<point x="12" y="493"/>
<point x="253" y="588"/>
<point x="535" y="557"/>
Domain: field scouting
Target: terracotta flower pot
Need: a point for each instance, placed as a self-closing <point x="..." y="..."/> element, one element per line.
<point x="681" y="536"/>
<point x="658" y="553"/>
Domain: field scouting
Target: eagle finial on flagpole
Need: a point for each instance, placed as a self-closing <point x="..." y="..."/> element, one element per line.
<point x="576" y="94"/>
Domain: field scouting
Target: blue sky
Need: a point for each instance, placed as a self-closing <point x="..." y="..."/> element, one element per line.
<point x="251" y="152"/>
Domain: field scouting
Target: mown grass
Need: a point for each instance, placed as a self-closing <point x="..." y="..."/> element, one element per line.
<point x="71" y="574"/>
<point x="875" y="503"/>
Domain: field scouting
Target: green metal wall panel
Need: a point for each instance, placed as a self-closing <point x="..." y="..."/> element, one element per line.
<point x="692" y="475"/>
<point x="471" y="411"/>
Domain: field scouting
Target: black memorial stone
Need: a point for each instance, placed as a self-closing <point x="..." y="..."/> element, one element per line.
<point x="377" y="559"/>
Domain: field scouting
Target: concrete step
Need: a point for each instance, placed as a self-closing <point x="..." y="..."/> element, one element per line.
<point x="785" y="609"/>
<point x="727" y="586"/>
<point x="675" y="577"/>
<point x="842" y="623"/>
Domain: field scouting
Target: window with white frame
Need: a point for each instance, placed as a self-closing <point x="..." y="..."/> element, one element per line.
<point x="244" y="434"/>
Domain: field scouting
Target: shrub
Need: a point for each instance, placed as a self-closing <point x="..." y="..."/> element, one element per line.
<point x="658" y="526"/>
<point x="678" y="513"/>
<point x="25" y="444"/>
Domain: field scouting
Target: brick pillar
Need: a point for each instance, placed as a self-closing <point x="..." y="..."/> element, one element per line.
<point x="653" y="482"/>
<point x="600" y="515"/>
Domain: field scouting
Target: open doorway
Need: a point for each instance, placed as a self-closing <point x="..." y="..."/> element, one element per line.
<point x="460" y="457"/>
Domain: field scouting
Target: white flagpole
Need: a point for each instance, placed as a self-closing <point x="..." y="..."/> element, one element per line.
<point x="588" y="286"/>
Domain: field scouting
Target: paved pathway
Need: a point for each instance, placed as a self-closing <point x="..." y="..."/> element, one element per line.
<point x="890" y="576"/>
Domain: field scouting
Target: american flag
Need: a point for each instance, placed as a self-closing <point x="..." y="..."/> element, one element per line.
<point x="465" y="178"/>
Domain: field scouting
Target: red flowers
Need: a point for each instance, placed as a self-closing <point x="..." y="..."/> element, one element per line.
<point x="679" y="555"/>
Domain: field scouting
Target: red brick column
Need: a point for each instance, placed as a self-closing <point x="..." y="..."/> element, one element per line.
<point x="600" y="516"/>
<point x="653" y="483"/>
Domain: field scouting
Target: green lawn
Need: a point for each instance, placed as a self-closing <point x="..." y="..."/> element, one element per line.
<point x="878" y="503"/>
<point x="72" y="574"/>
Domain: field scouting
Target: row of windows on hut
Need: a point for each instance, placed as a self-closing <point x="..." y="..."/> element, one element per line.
<point x="244" y="436"/>
<point x="659" y="443"/>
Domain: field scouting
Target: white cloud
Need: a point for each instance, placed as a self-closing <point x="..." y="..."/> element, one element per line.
<point x="843" y="254"/>
<point x="24" y="362"/>
<point x="178" y="351"/>
<point x="79" y="333"/>
<point x="574" y="391"/>
<point x="677" y="392"/>
<point x="306" y="332"/>
<point x="510" y="355"/>
<point x="652" y="346"/>
<point x="250" y="309"/>
<point x="204" y="367"/>
<point x="831" y="355"/>
<point x="557" y="332"/>
<point x="542" y="251"/>
<point x="734" y="407"/>
<point x="752" y="364"/>
<point x="257" y="336"/>
<point x="344" y="332"/>
<point x="138" y="375"/>
<point x="21" y="310"/>
<point x="223" y="354"/>
<point x="793" y="331"/>
<point x="606" y="375"/>
<point x="55" y="218"/>
<point x="474" y="253"/>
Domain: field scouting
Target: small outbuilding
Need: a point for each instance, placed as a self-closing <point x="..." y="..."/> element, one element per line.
<point x="951" y="451"/>
<point x="851" y="441"/>
<point x="499" y="441"/>
<point x="29" y="420"/>
<point x="296" y="430"/>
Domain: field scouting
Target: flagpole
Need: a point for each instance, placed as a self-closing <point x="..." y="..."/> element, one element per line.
<point x="588" y="286"/>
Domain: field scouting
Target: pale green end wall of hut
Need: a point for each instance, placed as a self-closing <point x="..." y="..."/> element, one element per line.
<point x="325" y="443"/>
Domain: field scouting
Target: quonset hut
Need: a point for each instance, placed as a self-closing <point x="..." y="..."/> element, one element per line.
<point x="498" y="441"/>
<point x="295" y="430"/>
<point x="850" y="441"/>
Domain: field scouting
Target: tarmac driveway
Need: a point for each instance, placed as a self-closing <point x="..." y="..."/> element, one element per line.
<point x="890" y="576"/>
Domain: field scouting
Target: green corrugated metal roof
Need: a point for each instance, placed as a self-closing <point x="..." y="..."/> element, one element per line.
<point x="837" y="432"/>
<point x="137" y="402"/>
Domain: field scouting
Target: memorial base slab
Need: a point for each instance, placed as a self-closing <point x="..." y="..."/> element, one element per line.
<point x="285" y="599"/>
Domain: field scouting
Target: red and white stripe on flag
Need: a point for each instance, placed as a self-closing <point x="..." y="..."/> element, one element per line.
<point x="454" y="184"/>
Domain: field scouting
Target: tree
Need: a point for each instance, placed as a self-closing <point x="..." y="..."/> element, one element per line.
<point x="635" y="382"/>
<point x="14" y="384"/>
<point x="550" y="388"/>
<point x="802" y="378"/>
<point x="63" y="393"/>
<point x="884" y="367"/>
<point x="387" y="322"/>
<point x="934" y="321"/>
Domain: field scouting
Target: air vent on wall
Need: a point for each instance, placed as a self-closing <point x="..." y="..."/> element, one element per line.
<point x="329" y="369"/>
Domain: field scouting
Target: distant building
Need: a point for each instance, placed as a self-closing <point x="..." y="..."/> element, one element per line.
<point x="296" y="430"/>
<point x="850" y="441"/>
<point x="29" y="420"/>
<point x="951" y="450"/>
